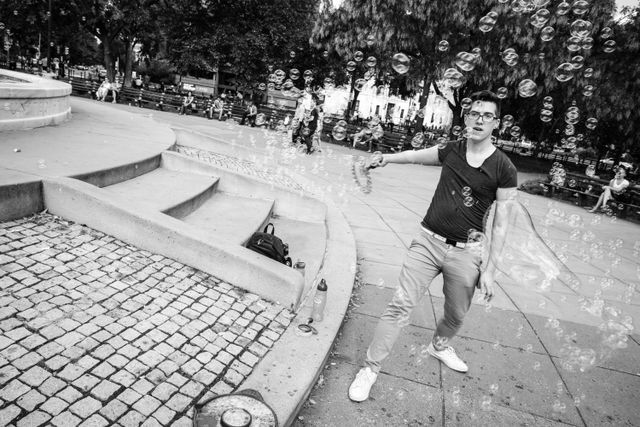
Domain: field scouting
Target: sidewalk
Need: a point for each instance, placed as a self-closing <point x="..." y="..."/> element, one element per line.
<point x="515" y="376"/>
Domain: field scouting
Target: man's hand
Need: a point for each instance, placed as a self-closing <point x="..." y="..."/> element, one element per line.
<point x="487" y="285"/>
<point x="377" y="160"/>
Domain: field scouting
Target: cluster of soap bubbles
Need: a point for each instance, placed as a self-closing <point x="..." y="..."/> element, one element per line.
<point x="468" y="199"/>
<point x="546" y="113"/>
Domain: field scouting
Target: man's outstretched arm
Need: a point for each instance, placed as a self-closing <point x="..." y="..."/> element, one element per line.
<point x="504" y="210"/>
<point x="426" y="156"/>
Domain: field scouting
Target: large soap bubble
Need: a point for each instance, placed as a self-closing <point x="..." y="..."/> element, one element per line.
<point x="606" y="33"/>
<point x="581" y="28"/>
<point x="564" y="72"/>
<point x="609" y="46"/>
<point x="540" y="18"/>
<point x="371" y="61"/>
<point x="486" y="23"/>
<point x="453" y="78"/>
<point x="339" y="133"/>
<point x="580" y="7"/>
<point x="465" y="61"/>
<point x="546" y="115"/>
<point x="563" y="8"/>
<point x="400" y="63"/>
<point x="527" y="88"/>
<point x="586" y="43"/>
<point x="510" y="57"/>
<point x="507" y="121"/>
<point x="547" y="34"/>
<point x="574" y="43"/>
<point x="577" y="62"/>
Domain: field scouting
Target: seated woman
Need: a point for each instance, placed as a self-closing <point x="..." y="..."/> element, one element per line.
<point x="103" y="90"/>
<point x="616" y="187"/>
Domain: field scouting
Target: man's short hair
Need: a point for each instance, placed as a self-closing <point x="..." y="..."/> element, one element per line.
<point x="487" y="96"/>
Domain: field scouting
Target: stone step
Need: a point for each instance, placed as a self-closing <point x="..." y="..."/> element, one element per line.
<point x="231" y="218"/>
<point x="175" y="193"/>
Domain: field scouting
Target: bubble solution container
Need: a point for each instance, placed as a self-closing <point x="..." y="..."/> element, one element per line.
<point x="299" y="266"/>
<point x="243" y="409"/>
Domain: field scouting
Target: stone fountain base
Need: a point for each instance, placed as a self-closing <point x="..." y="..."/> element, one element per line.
<point x="27" y="101"/>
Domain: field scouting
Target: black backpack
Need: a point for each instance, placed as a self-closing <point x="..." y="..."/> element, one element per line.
<point x="269" y="245"/>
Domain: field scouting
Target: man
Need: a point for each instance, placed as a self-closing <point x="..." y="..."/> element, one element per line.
<point x="310" y="123"/>
<point x="218" y="107"/>
<point x="187" y="102"/>
<point x="474" y="175"/>
<point x="250" y="114"/>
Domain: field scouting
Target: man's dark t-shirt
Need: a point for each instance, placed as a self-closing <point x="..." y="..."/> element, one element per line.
<point x="465" y="193"/>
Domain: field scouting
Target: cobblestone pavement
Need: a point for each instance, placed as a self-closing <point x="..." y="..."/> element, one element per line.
<point x="245" y="167"/>
<point x="97" y="332"/>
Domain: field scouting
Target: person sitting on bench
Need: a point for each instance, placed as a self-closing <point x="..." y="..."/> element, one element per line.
<point x="615" y="188"/>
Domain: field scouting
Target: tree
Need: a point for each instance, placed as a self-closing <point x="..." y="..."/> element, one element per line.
<point x="417" y="29"/>
<point x="243" y="37"/>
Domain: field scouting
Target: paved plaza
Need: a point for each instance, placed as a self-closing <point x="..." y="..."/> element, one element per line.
<point x="98" y="332"/>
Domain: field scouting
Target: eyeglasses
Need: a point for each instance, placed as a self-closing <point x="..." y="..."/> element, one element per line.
<point x="486" y="117"/>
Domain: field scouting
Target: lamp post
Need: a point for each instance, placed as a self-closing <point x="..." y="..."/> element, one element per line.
<point x="49" y="35"/>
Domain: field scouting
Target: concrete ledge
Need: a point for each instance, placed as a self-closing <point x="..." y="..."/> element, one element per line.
<point x="35" y="122"/>
<point x="20" y="199"/>
<point x="153" y="231"/>
<point x="287" y="203"/>
<point x="286" y="375"/>
<point x="109" y="176"/>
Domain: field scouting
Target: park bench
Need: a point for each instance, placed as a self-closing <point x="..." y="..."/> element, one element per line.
<point x="584" y="191"/>
<point x="83" y="87"/>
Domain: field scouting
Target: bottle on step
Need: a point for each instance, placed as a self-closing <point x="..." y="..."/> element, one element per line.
<point x="319" y="301"/>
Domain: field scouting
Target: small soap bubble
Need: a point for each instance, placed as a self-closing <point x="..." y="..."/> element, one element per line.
<point x="401" y="394"/>
<point x="559" y="406"/>
<point x="485" y="403"/>
<point x="609" y="46"/>
<point x="502" y="92"/>
<point x="469" y="201"/>
<point x="443" y="46"/>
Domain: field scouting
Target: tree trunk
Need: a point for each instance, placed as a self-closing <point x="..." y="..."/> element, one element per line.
<point x="128" y="63"/>
<point x="352" y="104"/>
<point x="417" y="126"/>
<point x="108" y="58"/>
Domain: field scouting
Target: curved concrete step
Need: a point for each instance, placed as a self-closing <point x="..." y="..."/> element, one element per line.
<point x="172" y="192"/>
<point x="231" y="218"/>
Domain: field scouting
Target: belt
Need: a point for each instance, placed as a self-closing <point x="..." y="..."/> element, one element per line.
<point x="444" y="239"/>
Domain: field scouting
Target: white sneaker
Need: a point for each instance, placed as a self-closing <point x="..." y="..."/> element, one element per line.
<point x="449" y="357"/>
<point x="360" y="387"/>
